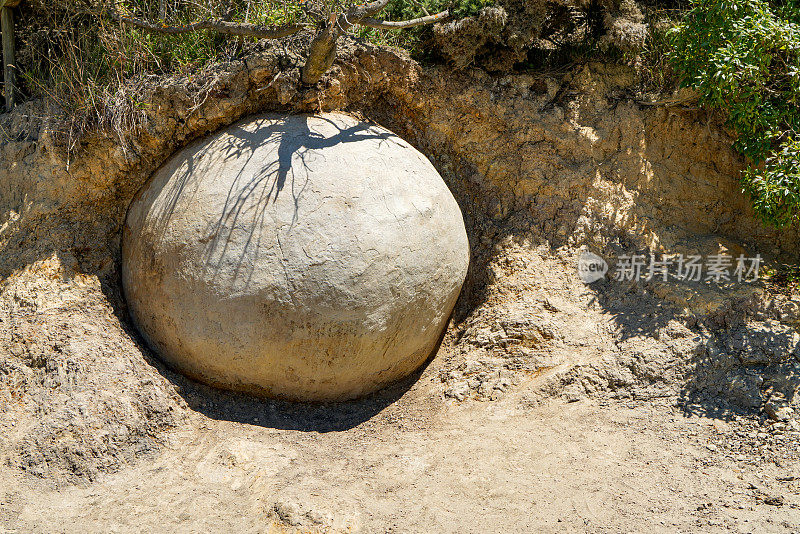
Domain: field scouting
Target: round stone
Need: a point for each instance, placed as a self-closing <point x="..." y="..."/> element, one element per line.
<point x="309" y="257"/>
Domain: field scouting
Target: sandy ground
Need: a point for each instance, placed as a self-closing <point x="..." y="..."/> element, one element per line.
<point x="425" y="465"/>
<point x="85" y="407"/>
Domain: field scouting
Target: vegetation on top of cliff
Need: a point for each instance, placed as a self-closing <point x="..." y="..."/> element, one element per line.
<point x="743" y="56"/>
<point x="78" y="55"/>
<point x="96" y="42"/>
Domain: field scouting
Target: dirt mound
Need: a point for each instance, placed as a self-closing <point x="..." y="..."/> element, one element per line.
<point x="510" y="33"/>
<point x="542" y="166"/>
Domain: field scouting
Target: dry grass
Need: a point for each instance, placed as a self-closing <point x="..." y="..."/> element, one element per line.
<point x="90" y="68"/>
<point x="656" y="71"/>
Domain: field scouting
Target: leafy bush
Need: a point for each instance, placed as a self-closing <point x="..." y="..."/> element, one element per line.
<point x="744" y="58"/>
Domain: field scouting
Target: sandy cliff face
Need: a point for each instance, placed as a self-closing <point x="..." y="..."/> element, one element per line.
<point x="541" y="166"/>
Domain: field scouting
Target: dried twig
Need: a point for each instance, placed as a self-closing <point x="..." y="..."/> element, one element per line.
<point x="390" y="25"/>
<point x="220" y="26"/>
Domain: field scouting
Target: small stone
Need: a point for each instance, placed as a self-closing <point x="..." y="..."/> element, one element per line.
<point x="773" y="500"/>
<point x="315" y="517"/>
<point x="574" y="392"/>
<point x="720" y="426"/>
<point x="778" y="409"/>
<point x="287" y="512"/>
<point x="458" y="391"/>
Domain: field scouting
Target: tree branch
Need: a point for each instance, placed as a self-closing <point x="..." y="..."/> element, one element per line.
<point x="356" y="13"/>
<point x="220" y="26"/>
<point x="419" y="5"/>
<point x="390" y="25"/>
<point x="322" y="50"/>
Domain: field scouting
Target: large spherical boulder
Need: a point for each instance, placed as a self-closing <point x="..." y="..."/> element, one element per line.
<point x="310" y="257"/>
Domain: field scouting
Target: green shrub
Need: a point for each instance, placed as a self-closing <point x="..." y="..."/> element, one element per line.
<point x="775" y="188"/>
<point x="744" y="58"/>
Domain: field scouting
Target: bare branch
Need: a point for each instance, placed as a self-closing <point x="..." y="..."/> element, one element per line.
<point x="220" y="26"/>
<point x="356" y="13"/>
<point x="322" y="50"/>
<point x="390" y="25"/>
<point x="419" y="5"/>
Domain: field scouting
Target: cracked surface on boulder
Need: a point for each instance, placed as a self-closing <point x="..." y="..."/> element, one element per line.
<point x="310" y="257"/>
